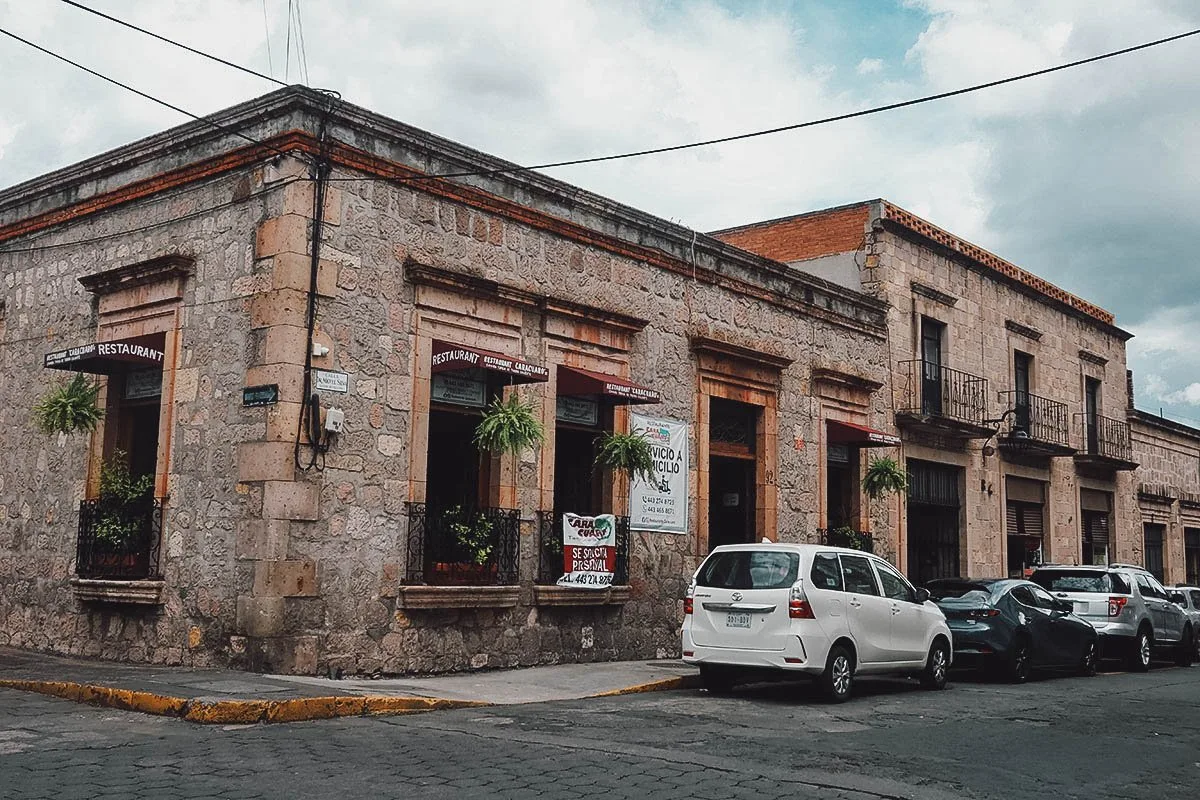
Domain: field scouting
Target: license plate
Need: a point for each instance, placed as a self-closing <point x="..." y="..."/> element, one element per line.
<point x="737" y="619"/>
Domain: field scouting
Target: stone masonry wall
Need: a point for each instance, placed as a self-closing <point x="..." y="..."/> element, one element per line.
<point x="1168" y="476"/>
<point x="986" y="321"/>
<point x="274" y="568"/>
<point x="44" y="478"/>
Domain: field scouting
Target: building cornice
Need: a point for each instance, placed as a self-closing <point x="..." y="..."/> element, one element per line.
<point x="385" y="148"/>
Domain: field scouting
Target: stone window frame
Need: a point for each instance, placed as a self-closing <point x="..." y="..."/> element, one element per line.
<point x="733" y="372"/>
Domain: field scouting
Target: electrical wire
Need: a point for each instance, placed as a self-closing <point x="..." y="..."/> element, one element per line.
<point x="140" y="93"/>
<point x="287" y="53"/>
<point x="267" y="38"/>
<point x="168" y="40"/>
<point x="301" y="47"/>
<point x="782" y="128"/>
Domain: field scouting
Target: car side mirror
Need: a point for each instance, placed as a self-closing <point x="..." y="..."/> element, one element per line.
<point x="1064" y="606"/>
<point x="921" y="596"/>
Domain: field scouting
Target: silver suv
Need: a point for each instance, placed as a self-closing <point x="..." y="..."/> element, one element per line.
<point x="1188" y="598"/>
<point x="1128" y="607"/>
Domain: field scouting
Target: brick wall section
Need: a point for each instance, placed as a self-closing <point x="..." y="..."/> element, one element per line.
<point x="838" y="230"/>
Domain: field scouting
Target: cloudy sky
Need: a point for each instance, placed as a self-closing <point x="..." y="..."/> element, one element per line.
<point x="1089" y="178"/>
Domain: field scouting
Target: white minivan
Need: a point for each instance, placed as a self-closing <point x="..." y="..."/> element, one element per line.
<point x="826" y="612"/>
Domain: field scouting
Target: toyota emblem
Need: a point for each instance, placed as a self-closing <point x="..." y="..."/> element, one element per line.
<point x="737" y="596"/>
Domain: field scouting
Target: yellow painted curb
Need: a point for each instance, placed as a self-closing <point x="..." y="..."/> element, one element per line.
<point x="662" y="685"/>
<point x="234" y="712"/>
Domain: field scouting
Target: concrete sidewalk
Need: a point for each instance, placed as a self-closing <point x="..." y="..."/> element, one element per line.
<point x="232" y="697"/>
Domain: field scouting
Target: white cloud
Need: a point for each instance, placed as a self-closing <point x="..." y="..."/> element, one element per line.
<point x="1087" y="177"/>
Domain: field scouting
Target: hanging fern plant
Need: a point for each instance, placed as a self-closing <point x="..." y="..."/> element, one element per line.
<point x="508" y="426"/>
<point x="884" y="476"/>
<point x="626" y="452"/>
<point x="70" y="408"/>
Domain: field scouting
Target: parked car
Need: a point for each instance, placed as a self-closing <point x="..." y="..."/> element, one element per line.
<point x="1014" y="627"/>
<point x="1128" y="607"/>
<point x="1188" y="598"/>
<point x="828" y="613"/>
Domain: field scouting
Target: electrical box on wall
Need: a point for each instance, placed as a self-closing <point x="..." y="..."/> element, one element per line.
<point x="335" y="418"/>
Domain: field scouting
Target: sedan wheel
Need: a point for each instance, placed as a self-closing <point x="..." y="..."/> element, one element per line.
<point x="838" y="679"/>
<point x="937" y="667"/>
<point x="1018" y="662"/>
<point x="1087" y="667"/>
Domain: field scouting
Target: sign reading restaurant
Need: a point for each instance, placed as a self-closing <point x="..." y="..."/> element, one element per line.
<point x="447" y="357"/>
<point x="126" y="350"/>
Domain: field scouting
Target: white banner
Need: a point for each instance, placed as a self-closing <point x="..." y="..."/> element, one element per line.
<point x="589" y="551"/>
<point x="661" y="505"/>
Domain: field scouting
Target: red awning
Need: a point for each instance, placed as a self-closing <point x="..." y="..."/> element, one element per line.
<point x="575" y="381"/>
<point x="448" y="357"/>
<point x="858" y="435"/>
<point x="108" y="358"/>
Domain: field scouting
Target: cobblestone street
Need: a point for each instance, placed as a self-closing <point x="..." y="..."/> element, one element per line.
<point x="1117" y="735"/>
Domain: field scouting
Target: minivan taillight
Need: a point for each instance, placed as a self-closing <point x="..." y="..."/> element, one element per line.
<point x="798" y="607"/>
<point x="1116" y="605"/>
<point x="687" y="598"/>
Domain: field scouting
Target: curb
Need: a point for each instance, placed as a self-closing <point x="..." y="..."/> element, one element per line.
<point x="662" y="685"/>
<point x="237" y="712"/>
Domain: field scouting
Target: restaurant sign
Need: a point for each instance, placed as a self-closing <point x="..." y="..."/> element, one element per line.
<point x="589" y="551"/>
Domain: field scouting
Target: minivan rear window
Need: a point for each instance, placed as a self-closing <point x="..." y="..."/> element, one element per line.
<point x="749" y="569"/>
<point x="1080" y="580"/>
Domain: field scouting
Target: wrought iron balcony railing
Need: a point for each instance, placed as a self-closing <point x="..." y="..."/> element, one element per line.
<point x="1036" y="419"/>
<point x="119" y="540"/>
<point x="932" y="390"/>
<point x="462" y="546"/>
<point x="1106" y="437"/>
<point x="550" y="560"/>
<point x="845" y="537"/>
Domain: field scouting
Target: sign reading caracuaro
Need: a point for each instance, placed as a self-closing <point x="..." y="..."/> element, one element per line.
<point x="661" y="504"/>
<point x="589" y="551"/>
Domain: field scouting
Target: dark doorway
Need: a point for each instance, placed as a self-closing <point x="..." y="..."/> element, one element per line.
<point x="1091" y="396"/>
<point x="577" y="487"/>
<point x="454" y="474"/>
<point x="842" y="487"/>
<point x="1023" y="381"/>
<point x="137" y="410"/>
<point x="933" y="521"/>
<point x="932" y="333"/>
<point x="731" y="501"/>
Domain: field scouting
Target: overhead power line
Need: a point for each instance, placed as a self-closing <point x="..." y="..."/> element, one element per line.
<point x="784" y="128"/>
<point x="171" y="41"/>
<point x="140" y="93"/>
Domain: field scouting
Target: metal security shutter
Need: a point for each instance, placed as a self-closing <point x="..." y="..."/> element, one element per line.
<point x="1092" y="500"/>
<point x="1023" y="519"/>
<point x="933" y="484"/>
<point x="1095" y="527"/>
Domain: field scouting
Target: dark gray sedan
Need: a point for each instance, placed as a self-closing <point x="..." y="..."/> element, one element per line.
<point x="1014" y="627"/>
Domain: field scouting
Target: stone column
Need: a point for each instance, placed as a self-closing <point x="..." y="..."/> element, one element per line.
<point x="269" y="636"/>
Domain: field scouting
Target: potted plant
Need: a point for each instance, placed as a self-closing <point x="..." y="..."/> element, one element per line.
<point x="474" y="534"/>
<point x="70" y="407"/>
<point x="508" y="426"/>
<point x="626" y="452"/>
<point x="884" y="476"/>
<point x="846" y="536"/>
<point x="121" y="512"/>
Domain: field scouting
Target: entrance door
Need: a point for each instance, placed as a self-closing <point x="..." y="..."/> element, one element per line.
<point x="933" y="521"/>
<point x="730" y="501"/>
<point x="931" y="361"/>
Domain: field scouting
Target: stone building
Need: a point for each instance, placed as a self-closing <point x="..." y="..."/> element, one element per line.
<point x="239" y="286"/>
<point x="1008" y="393"/>
<point x="1168" y="497"/>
